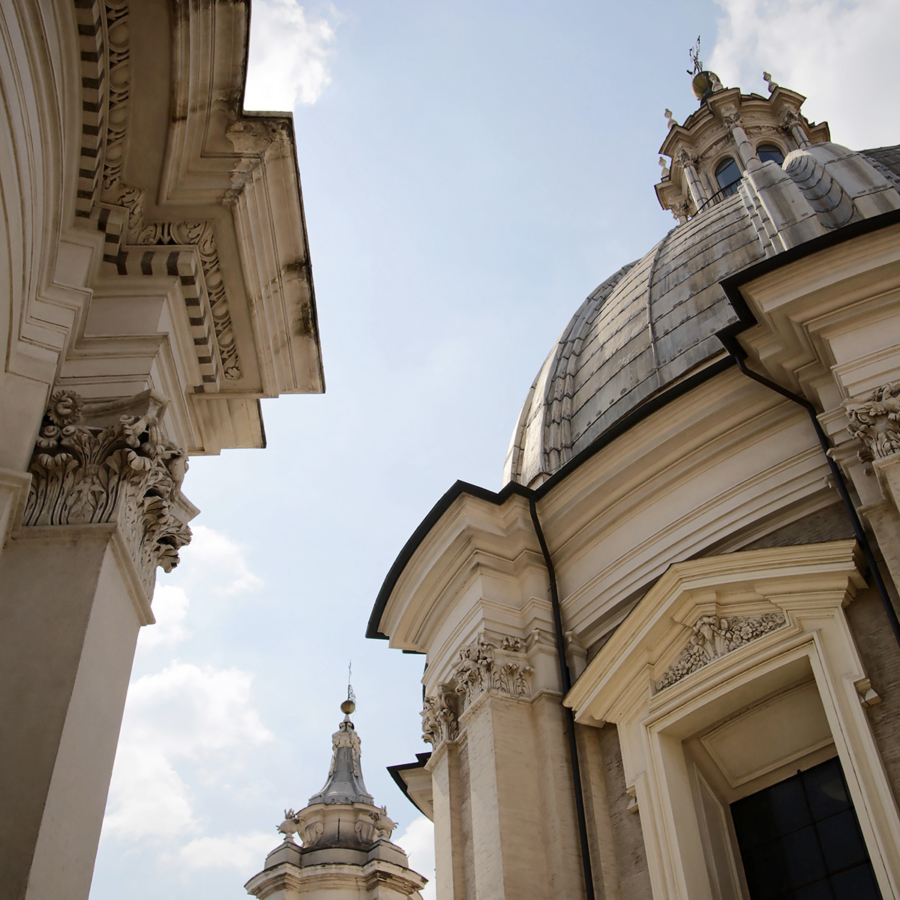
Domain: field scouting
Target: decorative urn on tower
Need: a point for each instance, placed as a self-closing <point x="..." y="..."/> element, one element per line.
<point x="346" y="849"/>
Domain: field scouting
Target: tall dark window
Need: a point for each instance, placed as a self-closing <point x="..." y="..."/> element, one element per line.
<point x="767" y="152"/>
<point x="729" y="176"/>
<point x="800" y="840"/>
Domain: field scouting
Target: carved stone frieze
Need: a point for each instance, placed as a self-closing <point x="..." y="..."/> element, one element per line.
<point x="484" y="666"/>
<point x="119" y="81"/>
<point x="125" y="473"/>
<point x="876" y="422"/>
<point x="714" y="637"/>
<point x="439" y="718"/>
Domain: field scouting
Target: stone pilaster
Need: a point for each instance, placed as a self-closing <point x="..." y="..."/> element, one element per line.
<point x="504" y="820"/>
<point x="103" y="510"/>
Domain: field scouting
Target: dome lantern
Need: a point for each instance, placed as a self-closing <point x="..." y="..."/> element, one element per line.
<point x="729" y="127"/>
<point x="346" y="839"/>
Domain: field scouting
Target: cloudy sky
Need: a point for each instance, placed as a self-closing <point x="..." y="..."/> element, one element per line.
<point x="471" y="170"/>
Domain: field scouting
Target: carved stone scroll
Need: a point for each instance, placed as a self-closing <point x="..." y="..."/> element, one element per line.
<point x="714" y="637"/>
<point x="876" y="422"/>
<point x="124" y="473"/>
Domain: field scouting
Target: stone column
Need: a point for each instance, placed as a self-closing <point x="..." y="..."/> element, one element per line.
<point x="103" y="510"/>
<point x="793" y="124"/>
<point x="513" y="781"/>
<point x="734" y="123"/>
<point x="698" y="195"/>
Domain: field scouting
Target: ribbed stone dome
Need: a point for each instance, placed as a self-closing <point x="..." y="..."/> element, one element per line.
<point x="655" y="320"/>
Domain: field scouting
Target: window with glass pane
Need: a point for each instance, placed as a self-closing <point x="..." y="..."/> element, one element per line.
<point x="729" y="176"/>
<point x="800" y="840"/>
<point x="769" y="152"/>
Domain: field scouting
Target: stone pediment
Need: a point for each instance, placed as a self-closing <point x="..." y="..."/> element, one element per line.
<point x="705" y="611"/>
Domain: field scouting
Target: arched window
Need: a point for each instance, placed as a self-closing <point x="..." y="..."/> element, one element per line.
<point x="729" y="176"/>
<point x="767" y="152"/>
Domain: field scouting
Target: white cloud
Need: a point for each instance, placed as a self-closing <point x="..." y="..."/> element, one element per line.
<point x="840" y="53"/>
<point x="214" y="562"/>
<point x="183" y="713"/>
<point x="290" y="53"/>
<point x="244" y="852"/>
<point x="418" y="842"/>
<point x="170" y="606"/>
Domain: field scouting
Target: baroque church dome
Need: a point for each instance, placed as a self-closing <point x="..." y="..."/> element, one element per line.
<point x="655" y="320"/>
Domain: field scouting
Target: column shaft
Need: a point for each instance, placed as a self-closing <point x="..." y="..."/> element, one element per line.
<point x="69" y="619"/>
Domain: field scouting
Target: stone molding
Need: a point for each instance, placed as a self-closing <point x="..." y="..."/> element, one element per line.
<point x="714" y="637"/>
<point x="106" y="94"/>
<point x="124" y="474"/>
<point x="875" y="422"/>
<point x="202" y="236"/>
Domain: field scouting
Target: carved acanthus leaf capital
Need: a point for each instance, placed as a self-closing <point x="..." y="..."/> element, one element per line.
<point x="714" y="637"/>
<point x="124" y="473"/>
<point x="485" y="666"/>
<point x="684" y="159"/>
<point x="876" y="422"/>
<point x="439" y="719"/>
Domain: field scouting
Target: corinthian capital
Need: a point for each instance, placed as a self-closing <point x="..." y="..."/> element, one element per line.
<point x="684" y="159"/>
<point x="876" y="422"/>
<point x="124" y="473"/>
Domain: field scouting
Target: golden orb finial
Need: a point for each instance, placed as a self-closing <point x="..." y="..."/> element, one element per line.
<point x="347" y="707"/>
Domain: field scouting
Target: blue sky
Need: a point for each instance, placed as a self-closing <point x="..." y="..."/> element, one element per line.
<point x="471" y="171"/>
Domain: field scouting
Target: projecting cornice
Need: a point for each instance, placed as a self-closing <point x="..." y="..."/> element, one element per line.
<point x="199" y="205"/>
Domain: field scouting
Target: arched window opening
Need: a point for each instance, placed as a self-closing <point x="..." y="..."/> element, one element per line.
<point x="728" y="175"/>
<point x="770" y="153"/>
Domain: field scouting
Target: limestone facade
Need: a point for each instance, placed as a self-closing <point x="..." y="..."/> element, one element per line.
<point x="157" y="285"/>
<point x="673" y="534"/>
